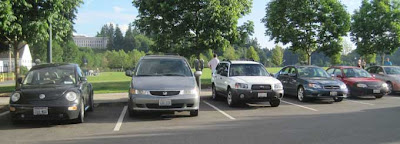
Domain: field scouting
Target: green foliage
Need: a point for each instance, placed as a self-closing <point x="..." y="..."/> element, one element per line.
<point x="277" y="55"/>
<point x="118" y="39"/>
<point x="370" y="58"/>
<point x="191" y="26"/>
<point x="336" y="59"/>
<point x="252" y="54"/>
<point x="134" y="57"/>
<point x="23" y="70"/>
<point x="376" y="27"/>
<point x="230" y="53"/>
<point x="308" y="25"/>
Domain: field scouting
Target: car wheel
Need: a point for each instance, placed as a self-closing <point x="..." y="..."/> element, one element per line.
<point x="81" y="116"/>
<point x="230" y="99"/>
<point x="275" y="102"/>
<point x="337" y="99"/>
<point x="379" y="96"/>
<point x="131" y="112"/>
<point x="390" y="87"/>
<point x="194" y="113"/>
<point x="214" y="93"/>
<point x="91" y="102"/>
<point x="300" y="94"/>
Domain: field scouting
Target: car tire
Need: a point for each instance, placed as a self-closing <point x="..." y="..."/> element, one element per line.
<point x="300" y="94"/>
<point x="230" y="99"/>
<point x="378" y="96"/>
<point x="338" y="99"/>
<point x="91" y="102"/>
<point x="132" y="113"/>
<point x="194" y="113"/>
<point x="214" y="94"/>
<point x="275" y="102"/>
<point x="390" y="87"/>
<point x="81" y="116"/>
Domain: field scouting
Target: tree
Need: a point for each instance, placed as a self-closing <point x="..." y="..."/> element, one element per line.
<point x="191" y="26"/>
<point x="130" y="43"/>
<point x="71" y="51"/>
<point x="308" y="25"/>
<point x="118" y="39"/>
<point x="252" y="54"/>
<point x="376" y="27"/>
<point x="230" y="53"/>
<point x="277" y="55"/>
<point x="110" y="35"/>
<point x="336" y="59"/>
<point x="23" y="21"/>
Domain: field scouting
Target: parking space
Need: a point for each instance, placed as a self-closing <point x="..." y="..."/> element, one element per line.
<point x="111" y="118"/>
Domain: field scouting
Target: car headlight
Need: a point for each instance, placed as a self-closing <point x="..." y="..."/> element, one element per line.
<point x="193" y="91"/>
<point x="360" y="85"/>
<point x="313" y="85"/>
<point x="343" y="86"/>
<point x="384" y="85"/>
<point x="136" y="91"/>
<point x="71" y="96"/>
<point x="278" y="86"/>
<point x="241" y="86"/>
<point x="15" y="97"/>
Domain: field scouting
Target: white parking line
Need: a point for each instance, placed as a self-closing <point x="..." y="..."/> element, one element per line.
<point x="394" y="97"/>
<point x="4" y="113"/>
<point x="360" y="102"/>
<point x="299" y="105"/>
<point x="227" y="115"/>
<point x="121" y="119"/>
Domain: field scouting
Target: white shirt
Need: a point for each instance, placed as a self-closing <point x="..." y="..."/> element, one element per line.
<point x="213" y="64"/>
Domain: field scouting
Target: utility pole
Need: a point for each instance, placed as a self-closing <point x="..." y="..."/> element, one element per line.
<point x="49" y="51"/>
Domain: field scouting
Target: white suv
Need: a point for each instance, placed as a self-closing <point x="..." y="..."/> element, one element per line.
<point x="245" y="82"/>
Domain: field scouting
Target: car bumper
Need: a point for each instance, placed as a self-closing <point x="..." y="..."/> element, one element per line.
<point x="325" y="93"/>
<point x="187" y="102"/>
<point x="396" y="87"/>
<point x="244" y="95"/>
<point x="356" y="91"/>
<point x="25" y="112"/>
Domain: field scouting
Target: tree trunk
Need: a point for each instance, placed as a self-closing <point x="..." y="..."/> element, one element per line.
<point x="383" y="58"/>
<point x="308" y="59"/>
<point x="16" y="67"/>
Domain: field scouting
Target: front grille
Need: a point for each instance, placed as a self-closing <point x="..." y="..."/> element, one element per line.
<point x="331" y="87"/>
<point x="261" y="87"/>
<point x="374" y="86"/>
<point x="156" y="106"/>
<point x="164" y="93"/>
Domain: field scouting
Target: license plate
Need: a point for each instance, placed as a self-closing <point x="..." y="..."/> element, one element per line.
<point x="377" y="91"/>
<point x="333" y="93"/>
<point x="164" y="102"/>
<point x="261" y="95"/>
<point x="40" y="111"/>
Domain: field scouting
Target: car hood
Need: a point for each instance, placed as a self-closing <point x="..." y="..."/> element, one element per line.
<point x="353" y="80"/>
<point x="164" y="83"/>
<point x="51" y="92"/>
<point x="255" y="79"/>
<point x="322" y="81"/>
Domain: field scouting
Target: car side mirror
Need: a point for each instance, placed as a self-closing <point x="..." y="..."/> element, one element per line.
<point x="83" y="79"/>
<point x="198" y="73"/>
<point x="128" y="73"/>
<point x="19" y="80"/>
<point x="272" y="74"/>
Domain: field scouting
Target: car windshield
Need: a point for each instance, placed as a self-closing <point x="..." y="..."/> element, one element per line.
<point x="312" y="72"/>
<point x="60" y="75"/>
<point x="356" y="72"/>
<point x="248" y="70"/>
<point x="163" y="67"/>
<point x="392" y="70"/>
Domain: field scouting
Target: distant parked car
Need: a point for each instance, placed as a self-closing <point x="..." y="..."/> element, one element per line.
<point x="359" y="81"/>
<point x="52" y="92"/>
<point x="163" y="83"/>
<point x="388" y="74"/>
<point x="245" y="82"/>
<point x="311" y="82"/>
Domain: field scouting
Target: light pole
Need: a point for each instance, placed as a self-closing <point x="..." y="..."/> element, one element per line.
<point x="49" y="49"/>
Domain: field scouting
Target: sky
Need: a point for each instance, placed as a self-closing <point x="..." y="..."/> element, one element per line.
<point x="93" y="14"/>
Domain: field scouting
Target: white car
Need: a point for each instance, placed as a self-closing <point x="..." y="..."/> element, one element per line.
<point x="245" y="82"/>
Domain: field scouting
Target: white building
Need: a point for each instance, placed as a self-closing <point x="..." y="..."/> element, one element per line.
<point x="91" y="42"/>
<point x="25" y="59"/>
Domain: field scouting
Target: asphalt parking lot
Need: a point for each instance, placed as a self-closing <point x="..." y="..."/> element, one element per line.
<point x="363" y="121"/>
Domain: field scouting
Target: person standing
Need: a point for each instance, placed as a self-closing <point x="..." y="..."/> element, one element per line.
<point x="359" y="64"/>
<point x="212" y="64"/>
<point x="387" y="62"/>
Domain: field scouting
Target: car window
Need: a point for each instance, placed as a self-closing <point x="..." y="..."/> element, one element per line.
<point x="285" y="71"/>
<point x="312" y="72"/>
<point x="217" y="68"/>
<point x="247" y="70"/>
<point x="224" y="69"/>
<point x="356" y="72"/>
<point x="392" y="70"/>
<point x="61" y="75"/>
<point x="371" y="69"/>
<point x="379" y="70"/>
<point x="330" y="71"/>
<point x="163" y="67"/>
<point x="337" y="72"/>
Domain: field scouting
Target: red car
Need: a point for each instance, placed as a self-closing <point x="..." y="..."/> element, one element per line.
<point x="359" y="81"/>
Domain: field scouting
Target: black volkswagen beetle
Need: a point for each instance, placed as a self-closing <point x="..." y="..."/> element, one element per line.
<point x="52" y="92"/>
<point x="311" y="82"/>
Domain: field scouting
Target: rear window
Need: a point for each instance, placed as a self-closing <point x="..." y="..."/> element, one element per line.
<point x="163" y="67"/>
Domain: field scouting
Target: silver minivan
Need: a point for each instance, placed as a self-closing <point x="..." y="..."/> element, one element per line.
<point x="163" y="83"/>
